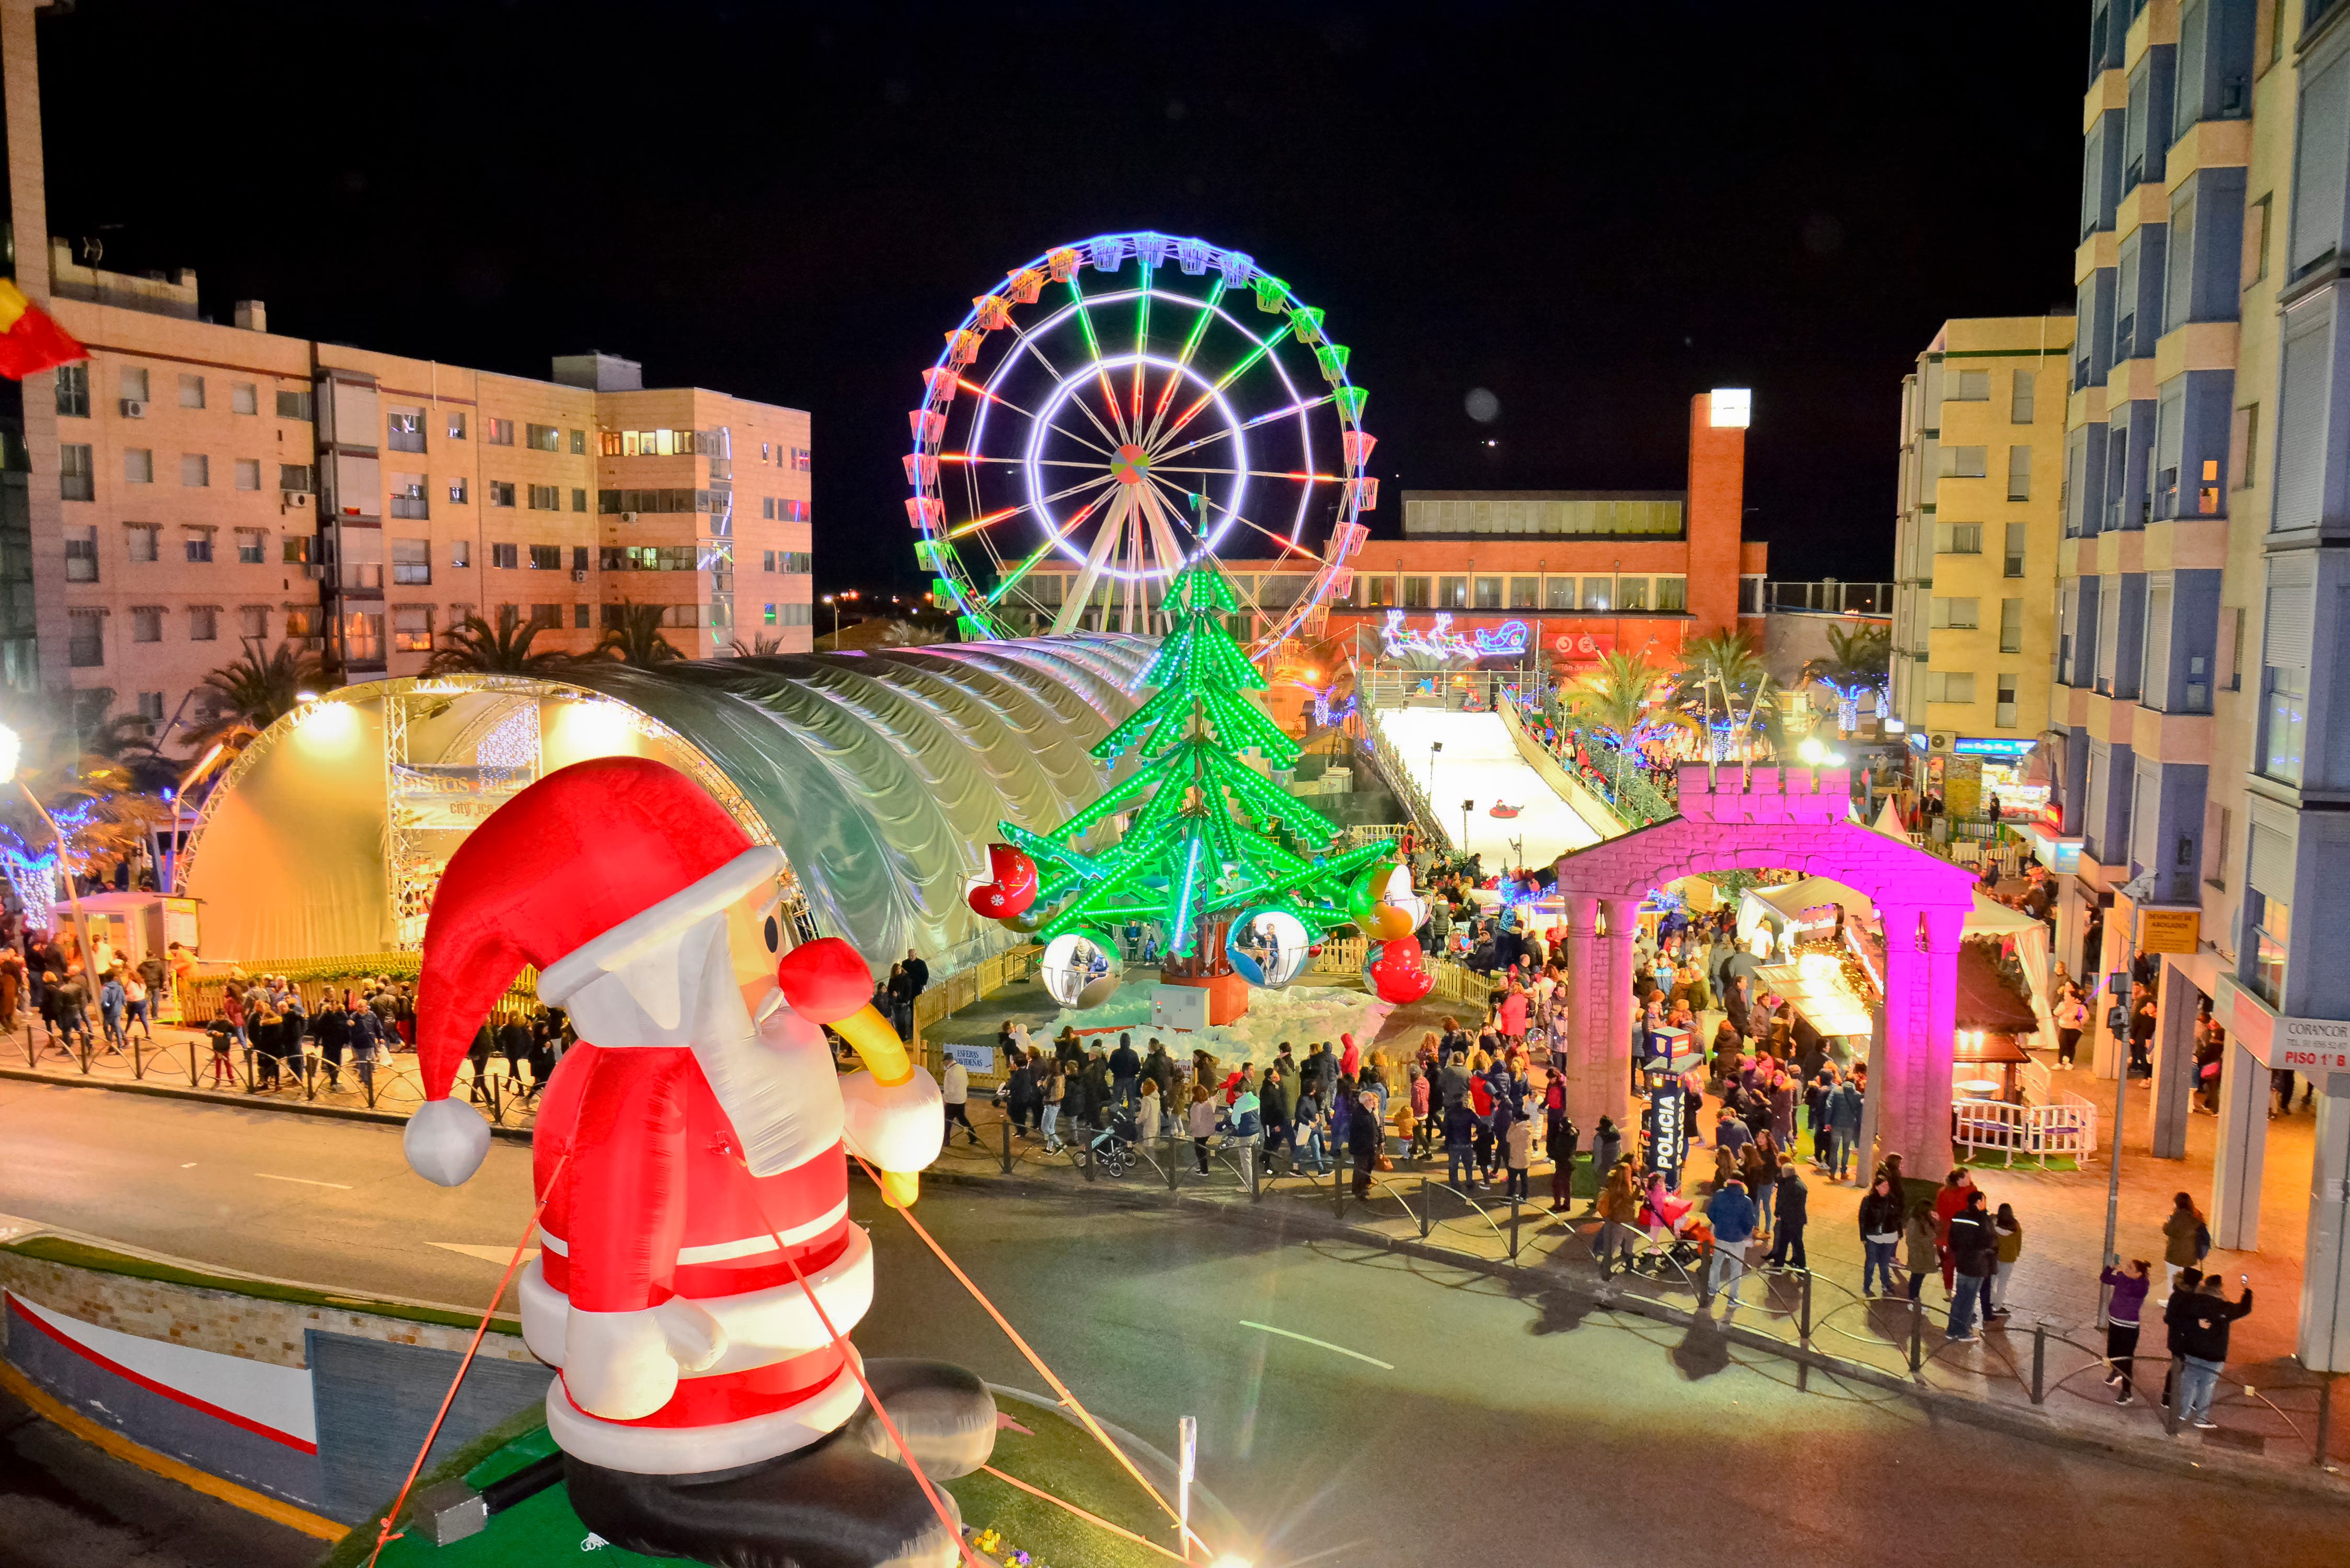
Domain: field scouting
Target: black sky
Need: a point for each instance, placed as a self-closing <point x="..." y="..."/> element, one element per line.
<point x="1592" y="210"/>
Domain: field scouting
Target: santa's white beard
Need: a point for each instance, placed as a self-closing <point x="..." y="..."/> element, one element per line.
<point x="773" y="1078"/>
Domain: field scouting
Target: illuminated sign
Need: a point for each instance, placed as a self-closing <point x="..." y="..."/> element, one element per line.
<point x="1732" y="408"/>
<point x="1968" y="747"/>
<point x="1441" y="641"/>
<point x="1583" y="647"/>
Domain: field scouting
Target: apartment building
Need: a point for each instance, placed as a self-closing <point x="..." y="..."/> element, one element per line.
<point x="2200" y="710"/>
<point x="1982" y="440"/>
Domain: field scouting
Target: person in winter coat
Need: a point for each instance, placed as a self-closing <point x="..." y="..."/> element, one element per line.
<point x="2122" y="1310"/>
<point x="1366" y="1139"/>
<point x="1147" y="1113"/>
<point x="1782" y="1111"/>
<point x="2010" y="1231"/>
<point x="1424" y="1130"/>
<point x="333" y="1031"/>
<point x="2185" y="1240"/>
<point x="1125" y="1068"/>
<point x="1921" y="1248"/>
<point x="1733" y="1216"/>
<point x="370" y="1038"/>
<point x="2203" y="1341"/>
<point x="1949" y="1201"/>
<point x="1844" y="1127"/>
<point x="1461" y="1134"/>
<point x="1520" y="1157"/>
<point x="1559" y="1139"/>
<point x="1790" y="1209"/>
<point x="2173" y="1321"/>
<point x="1607" y="1145"/>
<point x="1880" y="1231"/>
<point x="955" y="1089"/>
<point x="1618" y="1204"/>
<point x="1055" y="1093"/>
<point x="1972" y="1248"/>
<point x="1020" y="1095"/>
<point x="2071" y="1017"/>
<point x="1201" y="1120"/>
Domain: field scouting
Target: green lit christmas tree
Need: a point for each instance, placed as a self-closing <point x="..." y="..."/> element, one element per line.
<point x="1208" y="836"/>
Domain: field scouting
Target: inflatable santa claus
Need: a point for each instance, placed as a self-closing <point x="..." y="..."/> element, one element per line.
<point x="692" y="1155"/>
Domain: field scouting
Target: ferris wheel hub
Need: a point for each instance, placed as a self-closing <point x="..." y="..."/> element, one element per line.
<point x="1132" y="465"/>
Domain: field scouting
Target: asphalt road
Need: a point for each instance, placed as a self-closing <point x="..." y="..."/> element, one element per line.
<point x="1423" y="1414"/>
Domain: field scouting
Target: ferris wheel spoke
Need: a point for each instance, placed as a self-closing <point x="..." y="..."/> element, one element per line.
<point x="1106" y="538"/>
<point x="1183" y="361"/>
<point x="1101" y="372"/>
<point x="1141" y="344"/>
<point x="1029" y="344"/>
<point x="1289" y="547"/>
<point x="962" y="529"/>
<point x="1254" y="473"/>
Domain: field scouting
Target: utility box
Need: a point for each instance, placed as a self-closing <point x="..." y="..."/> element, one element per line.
<point x="1176" y="1007"/>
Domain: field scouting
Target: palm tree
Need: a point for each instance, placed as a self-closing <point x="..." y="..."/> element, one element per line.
<point x="758" y="648"/>
<point x="90" y="796"/>
<point x="1724" y="672"/>
<point x="245" y="696"/>
<point x="1615" y="693"/>
<point x="637" y="638"/>
<point x="474" y="646"/>
<point x="1855" y="665"/>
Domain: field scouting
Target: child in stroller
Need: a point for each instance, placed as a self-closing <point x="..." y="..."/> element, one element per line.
<point x="1112" y="1148"/>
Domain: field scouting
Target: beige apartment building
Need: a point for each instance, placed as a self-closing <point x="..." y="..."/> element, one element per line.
<point x="1982" y="464"/>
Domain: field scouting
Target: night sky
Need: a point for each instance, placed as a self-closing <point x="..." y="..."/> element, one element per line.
<point x="1590" y="211"/>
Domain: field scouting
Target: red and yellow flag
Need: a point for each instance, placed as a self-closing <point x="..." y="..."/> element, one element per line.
<point x="29" y="340"/>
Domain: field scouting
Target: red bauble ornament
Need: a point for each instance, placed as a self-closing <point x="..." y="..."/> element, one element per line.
<point x="1012" y="886"/>
<point x="1400" y="973"/>
<point x="825" y="981"/>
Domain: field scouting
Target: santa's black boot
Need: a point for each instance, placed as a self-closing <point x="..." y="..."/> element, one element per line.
<point x="944" y="1411"/>
<point x="834" y="1505"/>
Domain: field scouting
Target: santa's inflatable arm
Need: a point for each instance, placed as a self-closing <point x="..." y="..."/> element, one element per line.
<point x="892" y="1113"/>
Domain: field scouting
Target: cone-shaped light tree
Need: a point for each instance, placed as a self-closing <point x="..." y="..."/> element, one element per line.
<point x="1207" y="836"/>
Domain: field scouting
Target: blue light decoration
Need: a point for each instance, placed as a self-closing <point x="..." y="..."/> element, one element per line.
<point x="1507" y="641"/>
<point x="1325" y="711"/>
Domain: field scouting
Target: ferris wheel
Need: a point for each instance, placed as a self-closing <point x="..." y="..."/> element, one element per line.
<point x="1119" y="406"/>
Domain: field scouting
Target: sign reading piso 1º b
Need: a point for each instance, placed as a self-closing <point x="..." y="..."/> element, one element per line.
<point x="2312" y="1044"/>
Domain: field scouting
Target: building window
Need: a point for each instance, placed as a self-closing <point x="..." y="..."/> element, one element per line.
<point x="1949" y="686"/>
<point x="456" y="424"/>
<point x="546" y="617"/>
<point x="1631" y="593"/>
<point x="499" y="432"/>
<point x="2272" y="925"/>
<point x="2011" y="625"/>
<point x="461" y="553"/>
<point x="301" y="623"/>
<point x="767" y="508"/>
<point x="1415" y="593"/>
<point x="581" y="618"/>
<point x="1453" y="593"/>
<point x="1957" y="613"/>
<point x="501" y="493"/>
<point x="2256" y="242"/>
<point x="579" y="444"/>
<point x="77" y="479"/>
<point x="1558" y="592"/>
<point x="198" y="542"/>
<point x="362" y="638"/>
<point x="1958" y="538"/>
<point x="1672" y="595"/>
<point x="195" y="469"/>
<point x="578" y="499"/>
<point x="86" y="638"/>
<point x="252" y="623"/>
<point x="248" y="472"/>
<point x="73" y="391"/>
<point x="143" y="541"/>
<point x="411" y="629"/>
<point x="795" y="511"/>
<point x="578" y="558"/>
<point x="2019" y="474"/>
<point x="412" y="563"/>
<point x="191" y="391"/>
<point x="138" y="466"/>
<point x="294" y="405"/>
<point x="805" y="561"/>
<point x="543" y="438"/>
<point x="506" y="557"/>
<point x="2018" y="536"/>
<point x="294" y="478"/>
<point x="799" y="460"/>
<point x="131" y="385"/>
<point x="1488" y="593"/>
<point x="1967" y="387"/>
<point x="404" y="430"/>
<point x="1597" y="592"/>
<point x="1525" y="593"/>
<point x="146" y="623"/>
<point x="547" y="558"/>
<point x="243" y="398"/>
<point x="204" y="623"/>
<point x="2020" y="398"/>
<point x="457" y="492"/>
<point x="408" y="497"/>
<point x="81" y="552"/>
<point x="1965" y="462"/>
<point x="253" y="547"/>
<point x="2285" y="718"/>
<point x="2004" y="718"/>
<point x="294" y="550"/>
<point x="2217" y="821"/>
<point x="546" y="498"/>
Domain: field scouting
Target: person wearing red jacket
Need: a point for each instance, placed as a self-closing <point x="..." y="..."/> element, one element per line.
<point x="691" y="1153"/>
<point x="1948" y="1204"/>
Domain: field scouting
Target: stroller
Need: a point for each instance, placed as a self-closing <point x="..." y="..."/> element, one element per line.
<point x="1112" y="1148"/>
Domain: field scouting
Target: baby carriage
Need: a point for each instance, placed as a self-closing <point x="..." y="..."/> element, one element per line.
<point x="1112" y="1148"/>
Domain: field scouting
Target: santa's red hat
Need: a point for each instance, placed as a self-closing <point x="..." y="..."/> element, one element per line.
<point x="577" y="875"/>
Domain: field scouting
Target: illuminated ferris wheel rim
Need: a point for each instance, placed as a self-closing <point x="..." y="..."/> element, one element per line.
<point x="1128" y="490"/>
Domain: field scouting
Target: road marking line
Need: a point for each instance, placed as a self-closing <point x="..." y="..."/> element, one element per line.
<point x="497" y="1256"/>
<point x="1324" y="1343"/>
<point x="305" y="1180"/>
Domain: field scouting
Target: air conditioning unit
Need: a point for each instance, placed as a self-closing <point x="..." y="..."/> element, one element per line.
<point x="132" y="408"/>
<point x="295" y="497"/>
<point x="579" y="575"/>
<point x="1940" y="740"/>
<point x="628" y="516"/>
<point x="316" y="573"/>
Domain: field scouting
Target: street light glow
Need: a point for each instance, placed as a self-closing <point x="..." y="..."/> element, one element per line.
<point x="10" y="749"/>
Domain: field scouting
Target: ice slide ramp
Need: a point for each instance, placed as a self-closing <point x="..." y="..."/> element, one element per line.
<point x="1481" y="762"/>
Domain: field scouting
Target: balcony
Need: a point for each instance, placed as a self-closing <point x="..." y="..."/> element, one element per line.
<point x="1829" y="595"/>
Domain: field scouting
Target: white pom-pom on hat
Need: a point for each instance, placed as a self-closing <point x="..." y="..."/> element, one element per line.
<point x="445" y="1142"/>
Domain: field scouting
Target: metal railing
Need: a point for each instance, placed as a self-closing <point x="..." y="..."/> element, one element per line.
<point x="2063" y="1128"/>
<point x="1828" y="596"/>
